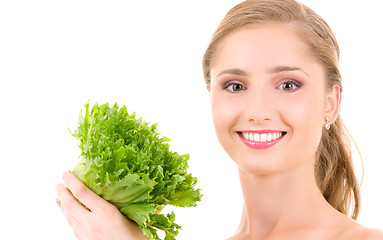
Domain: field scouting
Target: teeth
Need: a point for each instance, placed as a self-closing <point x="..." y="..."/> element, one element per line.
<point x="262" y="137"/>
<point x="251" y="137"/>
<point x="257" y="137"/>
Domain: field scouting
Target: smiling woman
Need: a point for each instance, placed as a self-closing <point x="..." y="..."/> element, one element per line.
<point x="273" y="78"/>
<point x="57" y="55"/>
<point x="272" y="72"/>
<point x="278" y="64"/>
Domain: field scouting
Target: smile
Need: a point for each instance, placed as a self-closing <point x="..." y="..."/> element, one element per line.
<point x="261" y="139"/>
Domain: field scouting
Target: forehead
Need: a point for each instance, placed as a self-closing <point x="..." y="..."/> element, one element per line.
<point x="261" y="46"/>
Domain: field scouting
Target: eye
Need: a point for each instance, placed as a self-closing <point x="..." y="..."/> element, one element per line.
<point x="234" y="86"/>
<point x="289" y="85"/>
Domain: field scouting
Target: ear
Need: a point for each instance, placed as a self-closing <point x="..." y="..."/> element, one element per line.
<point x="208" y="87"/>
<point x="332" y="103"/>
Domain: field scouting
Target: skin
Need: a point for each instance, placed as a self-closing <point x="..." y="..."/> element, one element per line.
<point x="102" y="221"/>
<point x="263" y="78"/>
<point x="282" y="200"/>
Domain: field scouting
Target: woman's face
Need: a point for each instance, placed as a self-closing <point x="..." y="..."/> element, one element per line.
<point x="268" y="99"/>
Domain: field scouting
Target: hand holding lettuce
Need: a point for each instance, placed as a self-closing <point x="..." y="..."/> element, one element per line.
<point x="124" y="161"/>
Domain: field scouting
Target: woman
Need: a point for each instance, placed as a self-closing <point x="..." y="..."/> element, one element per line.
<point x="272" y="73"/>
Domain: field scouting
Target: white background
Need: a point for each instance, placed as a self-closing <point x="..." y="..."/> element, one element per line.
<point x="55" y="55"/>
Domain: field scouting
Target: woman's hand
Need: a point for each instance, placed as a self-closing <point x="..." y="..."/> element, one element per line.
<point x="102" y="220"/>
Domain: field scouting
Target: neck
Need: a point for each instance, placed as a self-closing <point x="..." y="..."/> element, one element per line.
<point x="277" y="202"/>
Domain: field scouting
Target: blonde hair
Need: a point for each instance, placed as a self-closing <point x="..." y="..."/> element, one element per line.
<point x="334" y="171"/>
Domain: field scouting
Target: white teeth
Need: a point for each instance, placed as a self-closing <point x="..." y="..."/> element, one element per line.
<point x="257" y="137"/>
<point x="262" y="137"/>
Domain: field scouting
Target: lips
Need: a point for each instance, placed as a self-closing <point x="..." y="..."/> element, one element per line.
<point x="261" y="139"/>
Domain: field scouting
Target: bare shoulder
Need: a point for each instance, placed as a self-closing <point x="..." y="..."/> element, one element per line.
<point x="361" y="232"/>
<point x="371" y="234"/>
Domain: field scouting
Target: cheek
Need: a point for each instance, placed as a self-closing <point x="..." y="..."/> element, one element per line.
<point x="306" y="115"/>
<point x="225" y="114"/>
<point x="221" y="114"/>
<point x="305" y="120"/>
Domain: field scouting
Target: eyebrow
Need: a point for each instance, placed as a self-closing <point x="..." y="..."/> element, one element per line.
<point x="233" y="71"/>
<point x="272" y="70"/>
<point x="281" y="68"/>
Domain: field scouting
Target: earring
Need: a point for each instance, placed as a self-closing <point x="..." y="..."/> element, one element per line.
<point x="327" y="125"/>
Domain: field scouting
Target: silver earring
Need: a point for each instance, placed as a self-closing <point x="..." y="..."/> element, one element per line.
<point x="327" y="125"/>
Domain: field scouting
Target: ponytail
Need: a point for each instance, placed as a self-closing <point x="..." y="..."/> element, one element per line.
<point x="334" y="171"/>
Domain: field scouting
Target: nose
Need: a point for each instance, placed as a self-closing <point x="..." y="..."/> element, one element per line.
<point x="260" y="107"/>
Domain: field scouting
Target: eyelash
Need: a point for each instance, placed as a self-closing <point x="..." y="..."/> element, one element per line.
<point x="296" y="84"/>
<point x="230" y="84"/>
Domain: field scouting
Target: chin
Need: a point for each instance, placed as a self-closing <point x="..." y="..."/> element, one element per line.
<point x="261" y="166"/>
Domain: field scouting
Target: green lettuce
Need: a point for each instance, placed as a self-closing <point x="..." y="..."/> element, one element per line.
<point x="126" y="162"/>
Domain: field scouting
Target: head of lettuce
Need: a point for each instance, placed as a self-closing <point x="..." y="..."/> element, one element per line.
<point x="126" y="162"/>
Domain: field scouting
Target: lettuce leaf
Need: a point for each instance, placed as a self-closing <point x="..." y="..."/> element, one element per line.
<point x="126" y="162"/>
